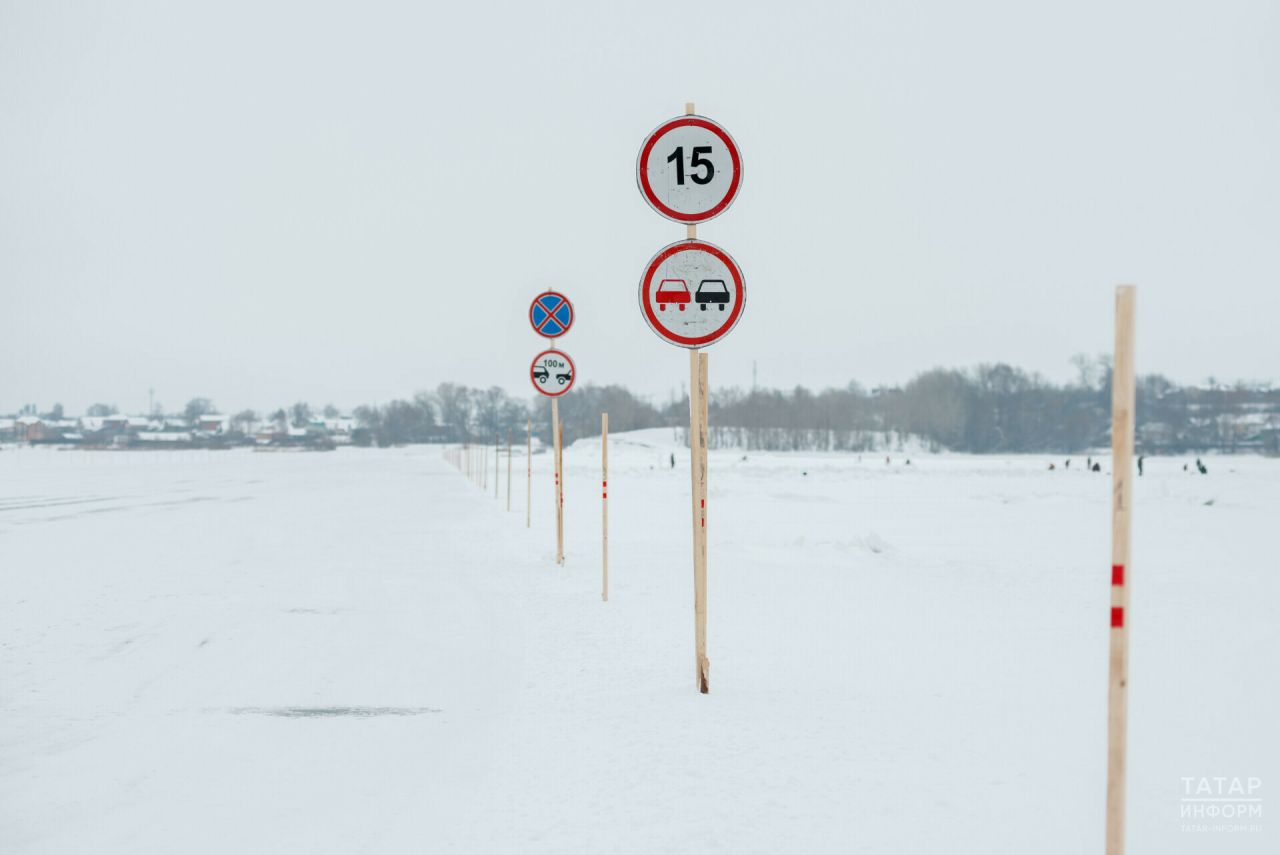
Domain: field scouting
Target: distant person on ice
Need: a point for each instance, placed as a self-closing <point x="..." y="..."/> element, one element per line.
<point x="1097" y="467"/>
<point x="1140" y="459"/>
<point x="1204" y="470"/>
<point x="673" y="460"/>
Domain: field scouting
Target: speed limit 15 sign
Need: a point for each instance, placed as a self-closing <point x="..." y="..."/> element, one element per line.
<point x="689" y="169"/>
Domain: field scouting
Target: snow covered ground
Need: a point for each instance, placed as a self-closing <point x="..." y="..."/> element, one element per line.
<point x="362" y="652"/>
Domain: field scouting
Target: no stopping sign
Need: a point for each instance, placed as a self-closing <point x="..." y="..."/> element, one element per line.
<point x="689" y="169"/>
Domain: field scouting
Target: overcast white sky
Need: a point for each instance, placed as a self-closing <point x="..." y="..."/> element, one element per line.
<point x="265" y="202"/>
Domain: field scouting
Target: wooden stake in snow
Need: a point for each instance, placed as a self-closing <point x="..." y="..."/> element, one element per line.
<point x="555" y="466"/>
<point x="528" y="484"/>
<point x="604" y="503"/>
<point x="508" y="469"/>
<point x="560" y="486"/>
<point x="698" y="475"/>
<point x="1122" y="426"/>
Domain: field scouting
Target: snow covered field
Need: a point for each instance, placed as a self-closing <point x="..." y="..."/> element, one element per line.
<point x="362" y="652"/>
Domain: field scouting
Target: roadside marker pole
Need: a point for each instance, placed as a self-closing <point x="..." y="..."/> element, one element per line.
<point x="1122" y="425"/>
<point x="698" y="475"/>
<point x="553" y="374"/>
<point x="508" y="469"/>
<point x="693" y="274"/>
<point x="604" y="503"/>
<point x="528" y="483"/>
<point x="555" y="469"/>
<point x="560" y="491"/>
<point x="497" y="458"/>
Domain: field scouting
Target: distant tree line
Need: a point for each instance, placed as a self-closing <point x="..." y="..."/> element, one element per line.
<point x="990" y="408"/>
<point x="456" y="413"/>
<point x="987" y="409"/>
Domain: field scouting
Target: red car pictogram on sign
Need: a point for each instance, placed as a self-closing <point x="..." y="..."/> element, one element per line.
<point x="673" y="291"/>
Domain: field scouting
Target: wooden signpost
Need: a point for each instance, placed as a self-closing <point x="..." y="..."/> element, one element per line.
<point x="692" y="293"/>
<point x="528" y="484"/>
<point x="1122" y="427"/>
<point x="604" y="504"/>
<point x="557" y="496"/>
<point x="553" y="375"/>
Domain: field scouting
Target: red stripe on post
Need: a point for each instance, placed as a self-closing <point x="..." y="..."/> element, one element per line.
<point x="1117" y="617"/>
<point x="1117" y="574"/>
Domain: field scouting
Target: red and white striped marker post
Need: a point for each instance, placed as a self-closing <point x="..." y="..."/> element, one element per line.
<point x="1122" y="423"/>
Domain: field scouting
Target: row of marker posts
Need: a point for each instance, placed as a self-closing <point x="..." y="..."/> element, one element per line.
<point x="1121" y="576"/>
<point x="472" y="460"/>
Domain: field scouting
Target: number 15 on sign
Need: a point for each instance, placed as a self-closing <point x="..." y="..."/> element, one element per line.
<point x="689" y="169"/>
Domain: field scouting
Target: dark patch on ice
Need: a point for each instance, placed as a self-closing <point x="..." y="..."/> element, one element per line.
<point x="170" y="503"/>
<point x="204" y="642"/>
<point x="333" y="712"/>
<point x="52" y="502"/>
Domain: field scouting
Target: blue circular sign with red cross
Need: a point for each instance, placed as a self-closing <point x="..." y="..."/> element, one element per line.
<point x="551" y="314"/>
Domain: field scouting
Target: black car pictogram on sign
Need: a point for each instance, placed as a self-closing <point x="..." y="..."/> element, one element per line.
<point x="712" y="291"/>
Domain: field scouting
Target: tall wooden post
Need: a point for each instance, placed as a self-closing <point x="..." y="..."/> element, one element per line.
<point x="555" y="465"/>
<point x="698" y="476"/>
<point x="528" y="484"/>
<point x="508" y="469"/>
<point x="1122" y="427"/>
<point x="604" y="504"/>
<point x="560" y="485"/>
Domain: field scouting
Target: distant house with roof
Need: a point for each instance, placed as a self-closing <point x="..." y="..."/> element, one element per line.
<point x="213" y="423"/>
